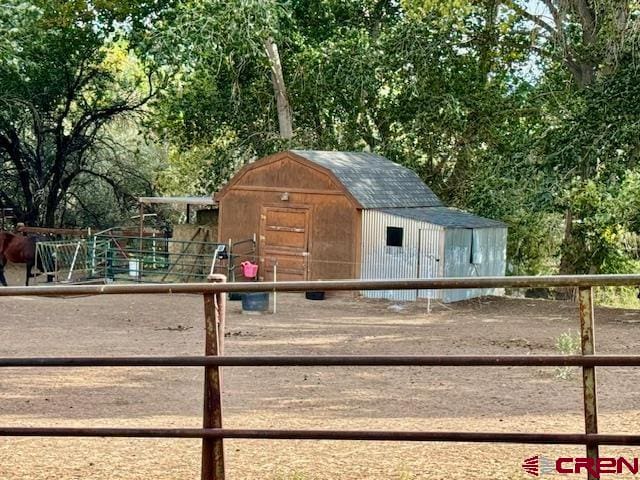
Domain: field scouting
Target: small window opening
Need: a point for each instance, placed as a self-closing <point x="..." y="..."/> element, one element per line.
<point x="394" y="236"/>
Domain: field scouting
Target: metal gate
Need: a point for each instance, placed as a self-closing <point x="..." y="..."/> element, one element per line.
<point x="65" y="260"/>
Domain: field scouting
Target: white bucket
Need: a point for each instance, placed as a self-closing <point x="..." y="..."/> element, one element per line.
<point x="134" y="268"/>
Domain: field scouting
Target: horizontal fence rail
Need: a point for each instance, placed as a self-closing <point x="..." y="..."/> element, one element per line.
<point x="332" y="285"/>
<point x="353" y="435"/>
<point x="333" y="361"/>
<point x="214" y="295"/>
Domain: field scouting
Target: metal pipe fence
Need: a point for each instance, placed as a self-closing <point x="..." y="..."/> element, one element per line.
<point x="214" y="295"/>
<point x="157" y="259"/>
<point x="64" y="260"/>
<point x="332" y="361"/>
<point x="114" y="256"/>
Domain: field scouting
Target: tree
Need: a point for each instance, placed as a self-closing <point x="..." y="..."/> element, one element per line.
<point x="498" y="104"/>
<point x="591" y="143"/>
<point x="218" y="34"/>
<point x="71" y="72"/>
<point x="587" y="36"/>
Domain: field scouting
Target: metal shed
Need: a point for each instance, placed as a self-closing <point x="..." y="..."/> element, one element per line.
<point x="336" y="215"/>
<point x="435" y="242"/>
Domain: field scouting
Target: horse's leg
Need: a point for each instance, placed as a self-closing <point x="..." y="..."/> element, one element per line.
<point x="29" y="275"/>
<point x="3" y="262"/>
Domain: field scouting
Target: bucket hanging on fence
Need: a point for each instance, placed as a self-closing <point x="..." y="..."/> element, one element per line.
<point x="249" y="270"/>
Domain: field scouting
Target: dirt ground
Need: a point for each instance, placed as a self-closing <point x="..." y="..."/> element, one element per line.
<point x="469" y="399"/>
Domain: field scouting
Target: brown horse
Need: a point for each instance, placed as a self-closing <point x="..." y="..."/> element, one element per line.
<point x="16" y="249"/>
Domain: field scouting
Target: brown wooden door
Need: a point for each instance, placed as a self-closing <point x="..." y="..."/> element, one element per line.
<point x="284" y="241"/>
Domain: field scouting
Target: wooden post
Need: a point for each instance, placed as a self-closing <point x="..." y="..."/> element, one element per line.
<point x="213" y="448"/>
<point x="585" y="296"/>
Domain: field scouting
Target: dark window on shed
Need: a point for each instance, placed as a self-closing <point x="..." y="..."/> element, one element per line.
<point x="394" y="236"/>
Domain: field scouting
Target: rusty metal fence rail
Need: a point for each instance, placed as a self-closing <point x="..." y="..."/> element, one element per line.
<point x="213" y="433"/>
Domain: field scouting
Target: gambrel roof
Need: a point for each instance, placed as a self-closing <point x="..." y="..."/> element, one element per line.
<point x="373" y="180"/>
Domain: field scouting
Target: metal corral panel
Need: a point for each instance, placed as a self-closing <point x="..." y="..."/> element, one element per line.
<point x="476" y="252"/>
<point x="418" y="257"/>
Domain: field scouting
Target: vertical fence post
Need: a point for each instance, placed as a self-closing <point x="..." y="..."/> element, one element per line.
<point x="585" y="296"/>
<point x="212" y="448"/>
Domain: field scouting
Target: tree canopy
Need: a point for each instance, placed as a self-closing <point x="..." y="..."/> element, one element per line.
<point x="66" y="74"/>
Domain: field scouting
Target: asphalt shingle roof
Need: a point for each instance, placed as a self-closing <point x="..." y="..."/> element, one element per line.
<point x="373" y="180"/>
<point x="445" y="217"/>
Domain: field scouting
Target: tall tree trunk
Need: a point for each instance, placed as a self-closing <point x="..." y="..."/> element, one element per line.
<point x="567" y="260"/>
<point x="285" y="121"/>
<point x="567" y="266"/>
<point x="488" y="41"/>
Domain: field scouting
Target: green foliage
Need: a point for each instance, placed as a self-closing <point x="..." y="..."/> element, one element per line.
<point x="201" y="169"/>
<point x="15" y="17"/>
<point x="618" y="297"/>
<point x="123" y="168"/>
<point x="520" y="195"/>
<point x="600" y="219"/>
<point x="70" y="73"/>
<point x="445" y="88"/>
<point x="360" y="75"/>
<point x="568" y="343"/>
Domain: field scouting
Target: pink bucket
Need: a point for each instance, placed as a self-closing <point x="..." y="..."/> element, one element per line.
<point x="249" y="270"/>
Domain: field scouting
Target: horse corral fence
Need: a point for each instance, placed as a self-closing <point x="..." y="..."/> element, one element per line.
<point x="213" y="433"/>
<point x="156" y="259"/>
<point x="64" y="260"/>
<point x="115" y="255"/>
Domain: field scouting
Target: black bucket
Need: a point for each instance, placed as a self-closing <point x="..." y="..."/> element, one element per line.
<point x="255" y="301"/>
<point x="314" y="295"/>
<point x="235" y="296"/>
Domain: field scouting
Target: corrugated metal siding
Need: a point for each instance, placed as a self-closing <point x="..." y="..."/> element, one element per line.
<point x="475" y="252"/>
<point x="431" y="252"/>
<point x="420" y="240"/>
<point x="492" y="243"/>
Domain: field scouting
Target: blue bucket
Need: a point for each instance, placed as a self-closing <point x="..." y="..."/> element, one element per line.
<point x="255" y="301"/>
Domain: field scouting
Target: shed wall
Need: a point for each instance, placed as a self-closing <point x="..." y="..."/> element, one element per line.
<point x="419" y="256"/>
<point x="475" y="252"/>
<point x="334" y="227"/>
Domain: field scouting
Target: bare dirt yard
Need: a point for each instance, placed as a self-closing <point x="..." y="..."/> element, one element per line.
<point x="471" y="399"/>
